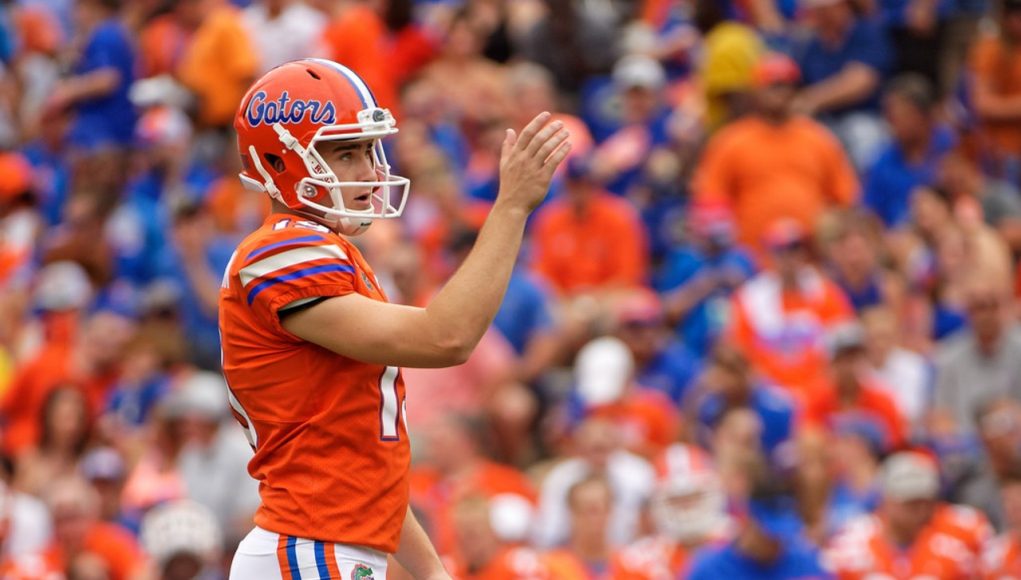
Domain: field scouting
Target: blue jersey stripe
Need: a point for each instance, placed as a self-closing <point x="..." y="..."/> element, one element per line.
<point x="324" y="572"/>
<point x="295" y="275"/>
<point x="260" y="251"/>
<point x="292" y="558"/>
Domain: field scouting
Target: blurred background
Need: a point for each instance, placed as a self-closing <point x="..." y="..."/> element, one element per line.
<point x="765" y="319"/>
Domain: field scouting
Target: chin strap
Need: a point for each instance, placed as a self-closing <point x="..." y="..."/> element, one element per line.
<point x="266" y="184"/>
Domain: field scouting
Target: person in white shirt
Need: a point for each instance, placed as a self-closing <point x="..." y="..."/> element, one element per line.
<point x="285" y="30"/>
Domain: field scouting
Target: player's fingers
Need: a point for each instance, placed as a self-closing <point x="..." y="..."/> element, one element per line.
<point x="557" y="157"/>
<point x="532" y="128"/>
<point x="508" y="143"/>
<point x="551" y="144"/>
<point x="540" y="139"/>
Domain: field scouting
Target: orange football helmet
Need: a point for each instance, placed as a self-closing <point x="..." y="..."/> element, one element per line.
<point x="291" y="109"/>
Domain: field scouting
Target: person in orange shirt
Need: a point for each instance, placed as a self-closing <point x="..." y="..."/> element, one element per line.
<point x="688" y="510"/>
<point x="913" y="535"/>
<point x="780" y="318"/>
<point x="849" y="399"/>
<point x="995" y="85"/>
<point x="357" y="36"/>
<point x="586" y="556"/>
<point x="588" y="240"/>
<point x="454" y="468"/>
<point x="490" y="534"/>
<point x="646" y="419"/>
<point x="312" y="349"/>
<point x="772" y="164"/>
<point x="78" y="533"/>
<point x="219" y="61"/>
<point x="89" y="363"/>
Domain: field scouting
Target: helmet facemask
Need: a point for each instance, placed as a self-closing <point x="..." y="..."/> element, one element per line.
<point x="688" y="513"/>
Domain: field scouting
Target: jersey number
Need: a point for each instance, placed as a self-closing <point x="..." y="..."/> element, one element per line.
<point x="389" y="412"/>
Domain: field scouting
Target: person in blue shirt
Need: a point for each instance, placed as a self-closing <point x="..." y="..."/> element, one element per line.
<point x="768" y="545"/>
<point x="101" y="77"/>
<point x="843" y="64"/>
<point x="196" y="259"/>
<point x="732" y="386"/>
<point x="913" y="156"/>
<point x="696" y="279"/>
<point x="662" y="362"/>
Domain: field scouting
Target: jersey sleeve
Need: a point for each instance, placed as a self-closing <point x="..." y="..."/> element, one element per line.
<point x="290" y="271"/>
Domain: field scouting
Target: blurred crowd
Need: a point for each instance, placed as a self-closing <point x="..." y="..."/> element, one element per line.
<point x="764" y="325"/>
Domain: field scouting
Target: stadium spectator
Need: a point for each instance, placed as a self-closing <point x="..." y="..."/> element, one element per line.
<point x="913" y="157"/>
<point x="597" y="452"/>
<point x="78" y="532"/>
<point x="729" y="383"/>
<point x="995" y="91"/>
<point x="586" y="553"/>
<point x="774" y="164"/>
<point x="587" y="241"/>
<point x="913" y="533"/>
<point x="780" y="317"/>
<point x="696" y="279"/>
<point x="606" y="387"/>
<point x="767" y="543"/>
<point x="284" y="30"/>
<point x="979" y="363"/>
<point x="455" y="467"/>
<point x="843" y="64"/>
<point x="848" y="397"/>
<point x="1002" y="555"/>
<point x="687" y="508"/>
<point x="662" y="362"/>
<point x="904" y="374"/>
<point x="854" y="252"/>
<point x="103" y="73"/>
<point x="732" y="50"/>
<point x="218" y="61"/>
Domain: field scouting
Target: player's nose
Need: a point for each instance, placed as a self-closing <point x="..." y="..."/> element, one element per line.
<point x="367" y="168"/>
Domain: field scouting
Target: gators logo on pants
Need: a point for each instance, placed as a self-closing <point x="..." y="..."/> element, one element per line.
<point x="361" y="572"/>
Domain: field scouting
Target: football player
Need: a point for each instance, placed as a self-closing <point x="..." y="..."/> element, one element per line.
<point x="312" y="351"/>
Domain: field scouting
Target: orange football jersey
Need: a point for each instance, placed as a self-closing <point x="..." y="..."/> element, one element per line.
<point x="949" y="547"/>
<point x="650" y="558"/>
<point x="331" y="446"/>
<point x="1001" y="559"/>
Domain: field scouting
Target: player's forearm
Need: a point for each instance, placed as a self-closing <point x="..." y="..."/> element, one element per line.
<point x="416" y="553"/>
<point x="467" y="304"/>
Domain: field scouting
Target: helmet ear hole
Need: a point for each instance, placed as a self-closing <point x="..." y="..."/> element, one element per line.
<point x="275" y="161"/>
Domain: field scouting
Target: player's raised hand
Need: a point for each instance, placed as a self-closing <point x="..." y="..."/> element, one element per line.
<point x="527" y="161"/>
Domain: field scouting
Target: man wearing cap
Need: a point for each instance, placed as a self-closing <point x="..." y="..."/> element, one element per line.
<point x="588" y="241"/>
<point x="662" y="361"/>
<point x="639" y="82"/>
<point x="912" y="534"/>
<point x="772" y="164"/>
<point x="768" y="544"/>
